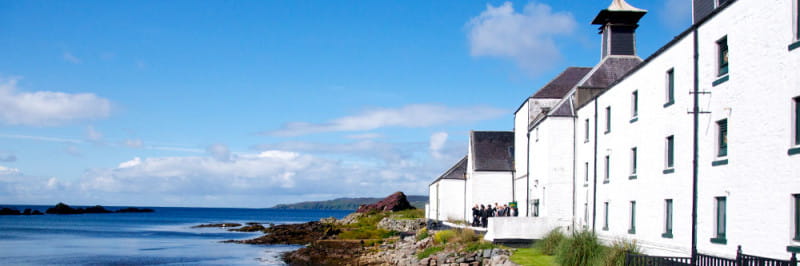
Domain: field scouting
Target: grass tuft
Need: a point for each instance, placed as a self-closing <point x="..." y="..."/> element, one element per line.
<point x="581" y="249"/>
<point x="429" y="251"/>
<point x="549" y="244"/>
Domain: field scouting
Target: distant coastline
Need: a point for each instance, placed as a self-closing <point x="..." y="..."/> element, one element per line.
<point x="345" y="203"/>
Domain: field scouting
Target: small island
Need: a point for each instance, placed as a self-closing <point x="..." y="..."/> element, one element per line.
<point x="62" y="208"/>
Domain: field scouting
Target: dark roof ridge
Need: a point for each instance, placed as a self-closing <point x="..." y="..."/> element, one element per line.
<point x="459" y="164"/>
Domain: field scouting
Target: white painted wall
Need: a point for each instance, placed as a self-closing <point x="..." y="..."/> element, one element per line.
<point x="551" y="160"/>
<point x="447" y="200"/>
<point x="521" y="121"/>
<point x="518" y="228"/>
<point x="757" y="101"/>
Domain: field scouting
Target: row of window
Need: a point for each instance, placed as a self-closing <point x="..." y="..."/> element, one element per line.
<point x="668" y="214"/>
<point x="720" y="219"/>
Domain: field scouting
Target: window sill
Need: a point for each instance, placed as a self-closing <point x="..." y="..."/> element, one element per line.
<point x="607" y="131"/>
<point x="794" y="45"/>
<point x="585" y="185"/>
<point x="586" y="141"/>
<point x="793" y="249"/>
<point x="794" y="151"/>
<point x="667" y="235"/>
<point x="719" y="162"/>
<point x="632" y="177"/>
<point x="721" y="80"/>
<point x="606" y="182"/>
<point x="605" y="228"/>
<point x="669" y="171"/>
<point x="719" y="240"/>
<point x="632" y="231"/>
<point x="634" y="119"/>
<point x="668" y="104"/>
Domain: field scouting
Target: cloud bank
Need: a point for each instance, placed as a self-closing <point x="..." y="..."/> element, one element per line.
<point x="48" y="108"/>
<point x="411" y="116"/>
<point x="526" y="37"/>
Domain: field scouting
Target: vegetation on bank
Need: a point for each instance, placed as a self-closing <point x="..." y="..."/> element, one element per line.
<point x="346" y="203"/>
<point x="367" y="226"/>
<point x="580" y="248"/>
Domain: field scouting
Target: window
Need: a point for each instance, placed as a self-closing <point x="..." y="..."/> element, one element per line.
<point x="605" y="216"/>
<point x="586" y="177"/>
<point x="722" y="138"/>
<point x="632" y="229"/>
<point x="608" y="119"/>
<point x="670" y="150"/>
<point x="720" y="222"/>
<point x="670" y="87"/>
<point x="586" y="213"/>
<point x="722" y="48"/>
<point x="796" y="217"/>
<point x="536" y="208"/>
<point x="537" y="134"/>
<point x="667" y="219"/>
<point x="608" y="169"/>
<point x="587" y="131"/>
<point x="634" y="105"/>
<point x="797" y="121"/>
<point x="797" y="20"/>
<point x="633" y="162"/>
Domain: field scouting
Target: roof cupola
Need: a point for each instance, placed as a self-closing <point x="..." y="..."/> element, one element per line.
<point x="618" y="25"/>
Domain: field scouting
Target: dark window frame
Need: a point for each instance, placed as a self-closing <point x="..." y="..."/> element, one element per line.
<point x="605" y="216"/>
<point x="722" y="56"/>
<point x="668" y="217"/>
<point x="670" y="150"/>
<point x="608" y="119"/>
<point x="796" y="217"/>
<point x="670" y="87"/>
<point x="722" y="138"/>
<point x="635" y="104"/>
<point x="634" y="158"/>
<point x="607" y="177"/>
<point x="632" y="228"/>
<point x="720" y="221"/>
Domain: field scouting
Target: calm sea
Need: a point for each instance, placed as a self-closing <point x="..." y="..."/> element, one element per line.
<point x="164" y="237"/>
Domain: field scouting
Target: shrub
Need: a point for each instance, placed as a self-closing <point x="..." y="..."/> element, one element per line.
<point x="549" y="244"/>
<point x="443" y="236"/>
<point x="465" y="236"/>
<point x="475" y="246"/>
<point x="429" y="251"/>
<point x="582" y="248"/>
<point x="422" y="234"/>
<point x="615" y="255"/>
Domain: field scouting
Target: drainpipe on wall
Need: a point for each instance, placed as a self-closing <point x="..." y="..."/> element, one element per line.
<point x="574" y="165"/>
<point x="695" y="136"/>
<point x="594" y="185"/>
<point x="528" y="176"/>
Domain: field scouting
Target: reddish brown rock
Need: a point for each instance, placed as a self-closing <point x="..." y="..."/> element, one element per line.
<point x="394" y="202"/>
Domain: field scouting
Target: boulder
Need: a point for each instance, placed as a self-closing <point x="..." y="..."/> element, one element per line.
<point x="7" y="211"/>
<point x="62" y="208"/>
<point x="401" y="225"/>
<point x="350" y="219"/>
<point x="394" y="202"/>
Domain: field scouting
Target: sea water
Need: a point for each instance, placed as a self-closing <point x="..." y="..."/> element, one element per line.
<point x="164" y="237"/>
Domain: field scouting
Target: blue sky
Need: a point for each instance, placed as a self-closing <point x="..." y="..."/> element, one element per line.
<point x="253" y="103"/>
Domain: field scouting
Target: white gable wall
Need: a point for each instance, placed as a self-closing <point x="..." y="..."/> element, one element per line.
<point x="551" y="160"/>
<point x="447" y="200"/>
<point x="521" y="121"/>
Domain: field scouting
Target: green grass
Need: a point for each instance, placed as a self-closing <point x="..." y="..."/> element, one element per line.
<point x="429" y="251"/>
<point x="550" y="243"/>
<point x="532" y="257"/>
<point x="475" y="246"/>
<point x="580" y="249"/>
<point x="408" y="214"/>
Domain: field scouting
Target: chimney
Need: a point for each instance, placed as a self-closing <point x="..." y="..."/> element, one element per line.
<point x="618" y="25"/>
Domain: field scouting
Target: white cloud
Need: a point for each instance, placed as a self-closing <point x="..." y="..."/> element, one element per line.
<point x="8" y="171"/>
<point x="364" y="136"/>
<point x="48" y="108"/>
<point x="93" y="135"/>
<point x="133" y="143"/>
<point x="413" y="116"/>
<point x="7" y="157"/>
<point x="437" y="142"/>
<point x="526" y="37"/>
<point x="677" y="14"/>
<point x="132" y="163"/>
<point x="219" y="152"/>
<point x="71" y="58"/>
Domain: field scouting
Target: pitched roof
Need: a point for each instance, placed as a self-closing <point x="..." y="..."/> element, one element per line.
<point x="493" y="150"/>
<point x="559" y="86"/>
<point x="456" y="172"/>
<point x="609" y="70"/>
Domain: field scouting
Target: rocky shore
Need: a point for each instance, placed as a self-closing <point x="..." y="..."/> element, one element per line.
<point x="377" y="234"/>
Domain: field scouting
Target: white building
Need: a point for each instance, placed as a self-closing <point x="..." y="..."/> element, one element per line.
<point x="700" y="139"/>
<point x="490" y="165"/>
<point x="447" y="200"/>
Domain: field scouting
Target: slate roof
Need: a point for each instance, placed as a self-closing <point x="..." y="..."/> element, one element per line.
<point x="456" y="172"/>
<point x="493" y="150"/>
<point x="564" y="109"/>
<point x="559" y="86"/>
<point x="609" y="70"/>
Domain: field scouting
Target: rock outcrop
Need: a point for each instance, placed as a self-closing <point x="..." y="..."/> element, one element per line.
<point x="394" y="202"/>
<point x="296" y="234"/>
<point x="402" y="225"/>
<point x="404" y="252"/>
<point x="222" y="225"/>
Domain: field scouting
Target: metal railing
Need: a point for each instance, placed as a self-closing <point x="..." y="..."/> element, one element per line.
<point x="708" y="260"/>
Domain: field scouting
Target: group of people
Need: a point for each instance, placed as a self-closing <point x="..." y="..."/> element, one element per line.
<point x="481" y="214"/>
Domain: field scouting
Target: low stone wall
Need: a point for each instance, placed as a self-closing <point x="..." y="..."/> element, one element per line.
<point x="402" y="225"/>
<point x="517" y="228"/>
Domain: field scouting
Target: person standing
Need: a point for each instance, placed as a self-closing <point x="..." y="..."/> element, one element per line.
<point x="485" y="215"/>
<point x="475" y="215"/>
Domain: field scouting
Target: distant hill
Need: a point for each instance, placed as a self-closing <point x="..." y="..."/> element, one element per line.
<point x="346" y="203"/>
